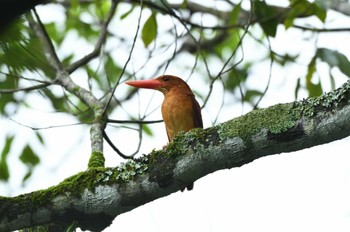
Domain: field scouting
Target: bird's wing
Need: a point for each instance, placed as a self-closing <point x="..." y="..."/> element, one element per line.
<point x="197" y="115"/>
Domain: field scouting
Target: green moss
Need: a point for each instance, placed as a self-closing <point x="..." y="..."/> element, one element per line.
<point x="73" y="186"/>
<point x="277" y="119"/>
<point x="96" y="160"/>
<point x="76" y="89"/>
<point x="283" y="117"/>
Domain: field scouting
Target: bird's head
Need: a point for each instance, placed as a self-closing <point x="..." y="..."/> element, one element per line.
<point x="164" y="84"/>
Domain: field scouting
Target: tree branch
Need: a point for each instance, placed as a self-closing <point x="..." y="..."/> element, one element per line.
<point x="45" y="39"/>
<point x="134" y="121"/>
<point x="341" y="29"/>
<point x="25" y="89"/>
<point x="94" y="198"/>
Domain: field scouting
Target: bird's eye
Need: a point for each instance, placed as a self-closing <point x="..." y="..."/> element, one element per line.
<point x="166" y="78"/>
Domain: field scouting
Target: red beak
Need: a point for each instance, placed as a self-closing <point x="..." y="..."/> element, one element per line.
<point x="147" y="84"/>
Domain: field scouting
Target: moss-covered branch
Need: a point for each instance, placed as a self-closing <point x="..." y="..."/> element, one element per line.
<point x="104" y="193"/>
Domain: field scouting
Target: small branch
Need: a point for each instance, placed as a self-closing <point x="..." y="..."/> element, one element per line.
<point x="43" y="84"/>
<point x="195" y="8"/>
<point x="101" y="40"/>
<point x="45" y="39"/>
<point x="47" y="127"/>
<point x="133" y="121"/>
<point x="26" y="89"/>
<point x="321" y="29"/>
<point x="110" y="143"/>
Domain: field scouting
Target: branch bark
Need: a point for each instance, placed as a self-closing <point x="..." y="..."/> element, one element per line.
<point x="102" y="194"/>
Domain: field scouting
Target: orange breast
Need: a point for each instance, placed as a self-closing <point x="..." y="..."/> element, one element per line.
<point x="180" y="113"/>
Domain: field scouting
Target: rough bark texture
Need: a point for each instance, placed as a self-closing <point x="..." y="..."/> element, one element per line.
<point x="104" y="193"/>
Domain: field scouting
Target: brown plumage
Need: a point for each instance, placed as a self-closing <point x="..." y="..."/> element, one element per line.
<point x="180" y="110"/>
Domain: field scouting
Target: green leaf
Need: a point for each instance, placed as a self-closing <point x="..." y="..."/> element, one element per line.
<point x="234" y="14"/>
<point x="31" y="58"/>
<point x="334" y="59"/>
<point x="123" y="16"/>
<point x="14" y="32"/>
<point x="27" y="175"/>
<point x="101" y="9"/>
<point x="39" y="137"/>
<point x="228" y="46"/>
<point x="266" y="17"/>
<point x="184" y="4"/>
<point x="235" y="78"/>
<point x="147" y="130"/>
<point x="149" y="30"/>
<point x="162" y="4"/>
<point x="284" y="59"/>
<point x="29" y="157"/>
<point x="313" y="89"/>
<point x="75" y="22"/>
<point x="9" y="82"/>
<point x="297" y="88"/>
<point x="56" y="33"/>
<point x="304" y="8"/>
<point x="332" y="80"/>
<point x="67" y="60"/>
<point x="72" y="227"/>
<point x="251" y="94"/>
<point x="4" y="170"/>
<point x="59" y="103"/>
<point x="320" y="11"/>
<point x="112" y="70"/>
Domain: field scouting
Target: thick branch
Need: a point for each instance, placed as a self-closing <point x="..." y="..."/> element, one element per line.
<point x="102" y="194"/>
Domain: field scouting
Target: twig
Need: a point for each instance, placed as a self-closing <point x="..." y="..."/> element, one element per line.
<point x="45" y="39"/>
<point x="48" y="127"/>
<point x="26" y="89"/>
<point x="134" y="121"/>
<point x="105" y="136"/>
<point x="322" y="29"/>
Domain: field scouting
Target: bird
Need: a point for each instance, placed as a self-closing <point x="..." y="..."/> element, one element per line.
<point x="180" y="109"/>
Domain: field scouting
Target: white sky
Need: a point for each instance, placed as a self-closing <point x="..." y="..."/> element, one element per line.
<point x="301" y="191"/>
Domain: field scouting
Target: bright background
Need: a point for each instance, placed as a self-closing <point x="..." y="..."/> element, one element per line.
<point x="300" y="191"/>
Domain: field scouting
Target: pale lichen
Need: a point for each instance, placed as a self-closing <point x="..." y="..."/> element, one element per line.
<point x="328" y="102"/>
